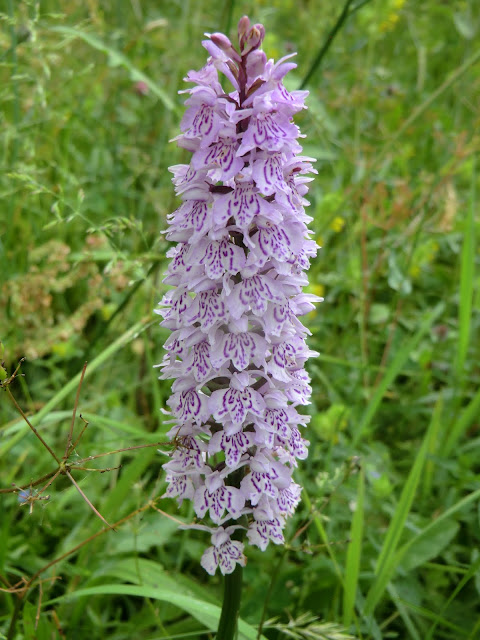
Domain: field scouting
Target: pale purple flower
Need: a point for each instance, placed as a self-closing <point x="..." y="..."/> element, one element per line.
<point x="237" y="349"/>
<point x="224" y="552"/>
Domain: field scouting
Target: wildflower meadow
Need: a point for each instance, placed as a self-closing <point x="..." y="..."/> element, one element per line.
<point x="239" y="320"/>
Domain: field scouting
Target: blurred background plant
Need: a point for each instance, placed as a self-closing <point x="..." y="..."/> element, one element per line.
<point x="386" y="543"/>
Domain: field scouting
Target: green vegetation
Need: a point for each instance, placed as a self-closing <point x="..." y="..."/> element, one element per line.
<point x="386" y="542"/>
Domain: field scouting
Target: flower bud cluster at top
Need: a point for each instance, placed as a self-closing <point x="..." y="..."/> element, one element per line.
<point x="237" y="349"/>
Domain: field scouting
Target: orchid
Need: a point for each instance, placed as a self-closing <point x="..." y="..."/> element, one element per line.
<point x="237" y="349"/>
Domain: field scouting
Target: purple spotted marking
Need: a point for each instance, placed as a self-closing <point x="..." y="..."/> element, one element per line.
<point x="218" y="501"/>
<point x="278" y="420"/>
<point x="208" y="309"/>
<point x="288" y="499"/>
<point x="221" y="257"/>
<point x="199" y="361"/>
<point x="274" y="242"/>
<point x="261" y="532"/>
<point x="240" y="348"/>
<point x="203" y="122"/>
<point x="256" y="292"/>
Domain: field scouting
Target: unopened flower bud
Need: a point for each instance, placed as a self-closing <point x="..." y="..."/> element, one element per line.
<point x="253" y="38"/>
<point x="221" y="40"/>
<point x="243" y="27"/>
<point x="225" y="45"/>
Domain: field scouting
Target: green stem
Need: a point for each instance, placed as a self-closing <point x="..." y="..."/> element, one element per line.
<point x="327" y="44"/>
<point x="231" y="605"/>
<point x="232" y="593"/>
<point x="13" y="621"/>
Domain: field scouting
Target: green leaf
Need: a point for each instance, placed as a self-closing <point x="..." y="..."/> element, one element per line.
<point x="149" y="573"/>
<point x="427" y="545"/>
<point x="388" y="560"/>
<point x="379" y="313"/>
<point x="396" y="279"/>
<point x="393" y="370"/>
<point x="206" y="613"/>
<point x="465" y="419"/>
<point x="468" y="576"/>
<point x="118" y="59"/>
<point x="465" y="25"/>
<point x="472" y="497"/>
<point x="354" y="553"/>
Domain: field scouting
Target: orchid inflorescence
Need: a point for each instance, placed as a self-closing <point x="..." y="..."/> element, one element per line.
<point x="237" y="348"/>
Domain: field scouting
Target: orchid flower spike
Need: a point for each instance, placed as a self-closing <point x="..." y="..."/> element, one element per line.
<point x="237" y="348"/>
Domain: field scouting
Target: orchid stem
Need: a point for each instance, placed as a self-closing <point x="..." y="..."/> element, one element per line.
<point x="232" y="594"/>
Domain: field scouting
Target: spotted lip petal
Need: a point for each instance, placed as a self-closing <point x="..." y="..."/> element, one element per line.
<point x="237" y="349"/>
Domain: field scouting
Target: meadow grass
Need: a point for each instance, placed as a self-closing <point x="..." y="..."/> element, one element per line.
<point x="385" y="543"/>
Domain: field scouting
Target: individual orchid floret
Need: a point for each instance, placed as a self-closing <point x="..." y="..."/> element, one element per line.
<point x="237" y="350"/>
<point x="224" y="552"/>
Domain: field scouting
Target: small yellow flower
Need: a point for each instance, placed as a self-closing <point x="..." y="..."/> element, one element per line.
<point x="389" y="23"/>
<point x="337" y="224"/>
<point x="414" y="271"/>
<point x="318" y="289"/>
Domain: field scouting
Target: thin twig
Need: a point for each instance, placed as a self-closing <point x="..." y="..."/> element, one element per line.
<point x="74" y="413"/>
<point x="72" y="448"/>
<point x="39" y="607"/>
<point x="75" y="468"/>
<point x="19" y="409"/>
<point x="10" y="379"/>
<point x="15" y="489"/>
<point x="4" y="581"/>
<point x="67" y="473"/>
<point x="140" y="446"/>
<point x="52" y="479"/>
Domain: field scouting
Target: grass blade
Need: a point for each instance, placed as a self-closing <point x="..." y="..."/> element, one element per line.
<point x="117" y="59"/>
<point x="354" y="552"/>
<point x="402" y="610"/>
<point x="393" y="370"/>
<point x="468" y="415"/>
<point x="434" y="443"/>
<point x="327" y="44"/>
<point x="466" y="578"/>
<point x="206" y="613"/>
<point x="445" y="517"/>
<point x="388" y="560"/>
<point x="467" y="273"/>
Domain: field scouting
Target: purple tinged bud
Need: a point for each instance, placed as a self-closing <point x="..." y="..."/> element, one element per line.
<point x="253" y="39"/>
<point x="260" y="30"/>
<point x="243" y="27"/>
<point x="221" y="41"/>
<point x="225" y="45"/>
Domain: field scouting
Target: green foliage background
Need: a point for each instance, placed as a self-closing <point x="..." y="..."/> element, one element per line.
<point x="386" y="542"/>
